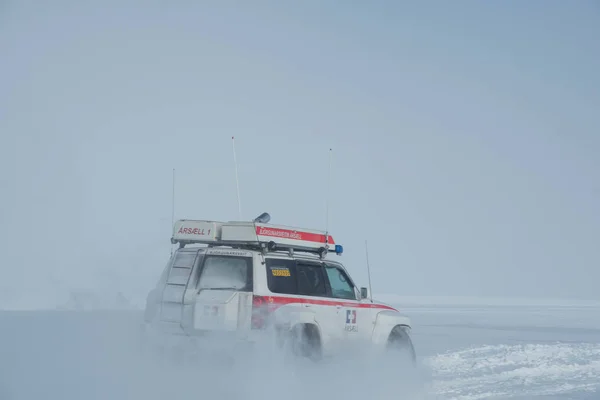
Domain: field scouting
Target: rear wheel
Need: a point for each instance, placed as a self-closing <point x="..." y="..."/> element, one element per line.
<point x="305" y="342"/>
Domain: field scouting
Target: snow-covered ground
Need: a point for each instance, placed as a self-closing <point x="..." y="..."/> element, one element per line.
<point x="468" y="349"/>
<point x="478" y="351"/>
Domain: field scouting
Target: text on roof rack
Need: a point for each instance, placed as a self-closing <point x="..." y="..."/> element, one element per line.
<point x="292" y="234"/>
<point x="193" y="231"/>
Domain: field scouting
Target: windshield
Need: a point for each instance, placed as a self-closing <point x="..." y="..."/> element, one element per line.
<point x="222" y="272"/>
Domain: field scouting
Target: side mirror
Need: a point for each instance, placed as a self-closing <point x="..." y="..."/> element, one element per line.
<point x="364" y="293"/>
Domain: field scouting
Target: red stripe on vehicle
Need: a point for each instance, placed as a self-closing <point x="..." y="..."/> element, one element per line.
<point x="293" y="235"/>
<point x="281" y="301"/>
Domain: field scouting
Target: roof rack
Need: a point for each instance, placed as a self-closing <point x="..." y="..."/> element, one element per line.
<point x="255" y="235"/>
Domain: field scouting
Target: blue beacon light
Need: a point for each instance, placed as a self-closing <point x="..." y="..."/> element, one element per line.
<point x="339" y="249"/>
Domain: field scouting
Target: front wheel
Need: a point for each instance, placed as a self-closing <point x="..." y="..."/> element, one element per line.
<point x="400" y="363"/>
<point x="400" y="347"/>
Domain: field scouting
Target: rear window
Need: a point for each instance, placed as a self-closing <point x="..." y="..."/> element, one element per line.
<point x="226" y="272"/>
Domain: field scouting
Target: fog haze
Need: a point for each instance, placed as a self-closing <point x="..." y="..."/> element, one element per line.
<point x="464" y="138"/>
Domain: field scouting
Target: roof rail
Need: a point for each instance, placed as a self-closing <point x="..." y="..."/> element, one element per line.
<point x="256" y="234"/>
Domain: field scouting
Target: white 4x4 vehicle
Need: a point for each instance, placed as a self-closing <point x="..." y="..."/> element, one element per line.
<point x="252" y="276"/>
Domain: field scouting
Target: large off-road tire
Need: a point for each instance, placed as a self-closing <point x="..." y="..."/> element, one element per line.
<point x="400" y="346"/>
<point x="305" y="342"/>
<point x="401" y="362"/>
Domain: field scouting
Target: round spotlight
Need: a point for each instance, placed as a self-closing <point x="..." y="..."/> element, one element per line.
<point x="263" y="218"/>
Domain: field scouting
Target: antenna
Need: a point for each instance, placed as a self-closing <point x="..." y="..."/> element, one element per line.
<point x="368" y="271"/>
<point x="237" y="182"/>
<point x="173" y="207"/>
<point x="327" y="201"/>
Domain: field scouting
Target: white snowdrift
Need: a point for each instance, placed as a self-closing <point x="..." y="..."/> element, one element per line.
<point x="530" y="369"/>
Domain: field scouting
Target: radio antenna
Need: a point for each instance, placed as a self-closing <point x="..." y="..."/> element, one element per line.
<point x="368" y="271"/>
<point x="173" y="207"/>
<point x="327" y="201"/>
<point x="237" y="182"/>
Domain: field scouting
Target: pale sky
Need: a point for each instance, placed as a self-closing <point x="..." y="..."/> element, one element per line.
<point x="465" y="137"/>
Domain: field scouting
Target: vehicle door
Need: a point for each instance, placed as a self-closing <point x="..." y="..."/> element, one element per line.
<point x="312" y="285"/>
<point x="299" y="291"/>
<point x="354" y="321"/>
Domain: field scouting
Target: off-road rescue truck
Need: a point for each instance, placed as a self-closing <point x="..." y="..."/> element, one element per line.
<point x="251" y="277"/>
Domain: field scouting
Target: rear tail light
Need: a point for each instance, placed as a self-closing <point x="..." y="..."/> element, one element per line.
<point x="260" y="312"/>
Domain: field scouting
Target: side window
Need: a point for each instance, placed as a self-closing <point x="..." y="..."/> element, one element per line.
<point x="180" y="261"/>
<point x="226" y="272"/>
<point x="281" y="276"/>
<point x="182" y="268"/>
<point x="184" y="259"/>
<point x="311" y="280"/>
<point x="341" y="287"/>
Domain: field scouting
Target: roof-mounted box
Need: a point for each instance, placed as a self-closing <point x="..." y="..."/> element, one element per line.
<point x="253" y="234"/>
